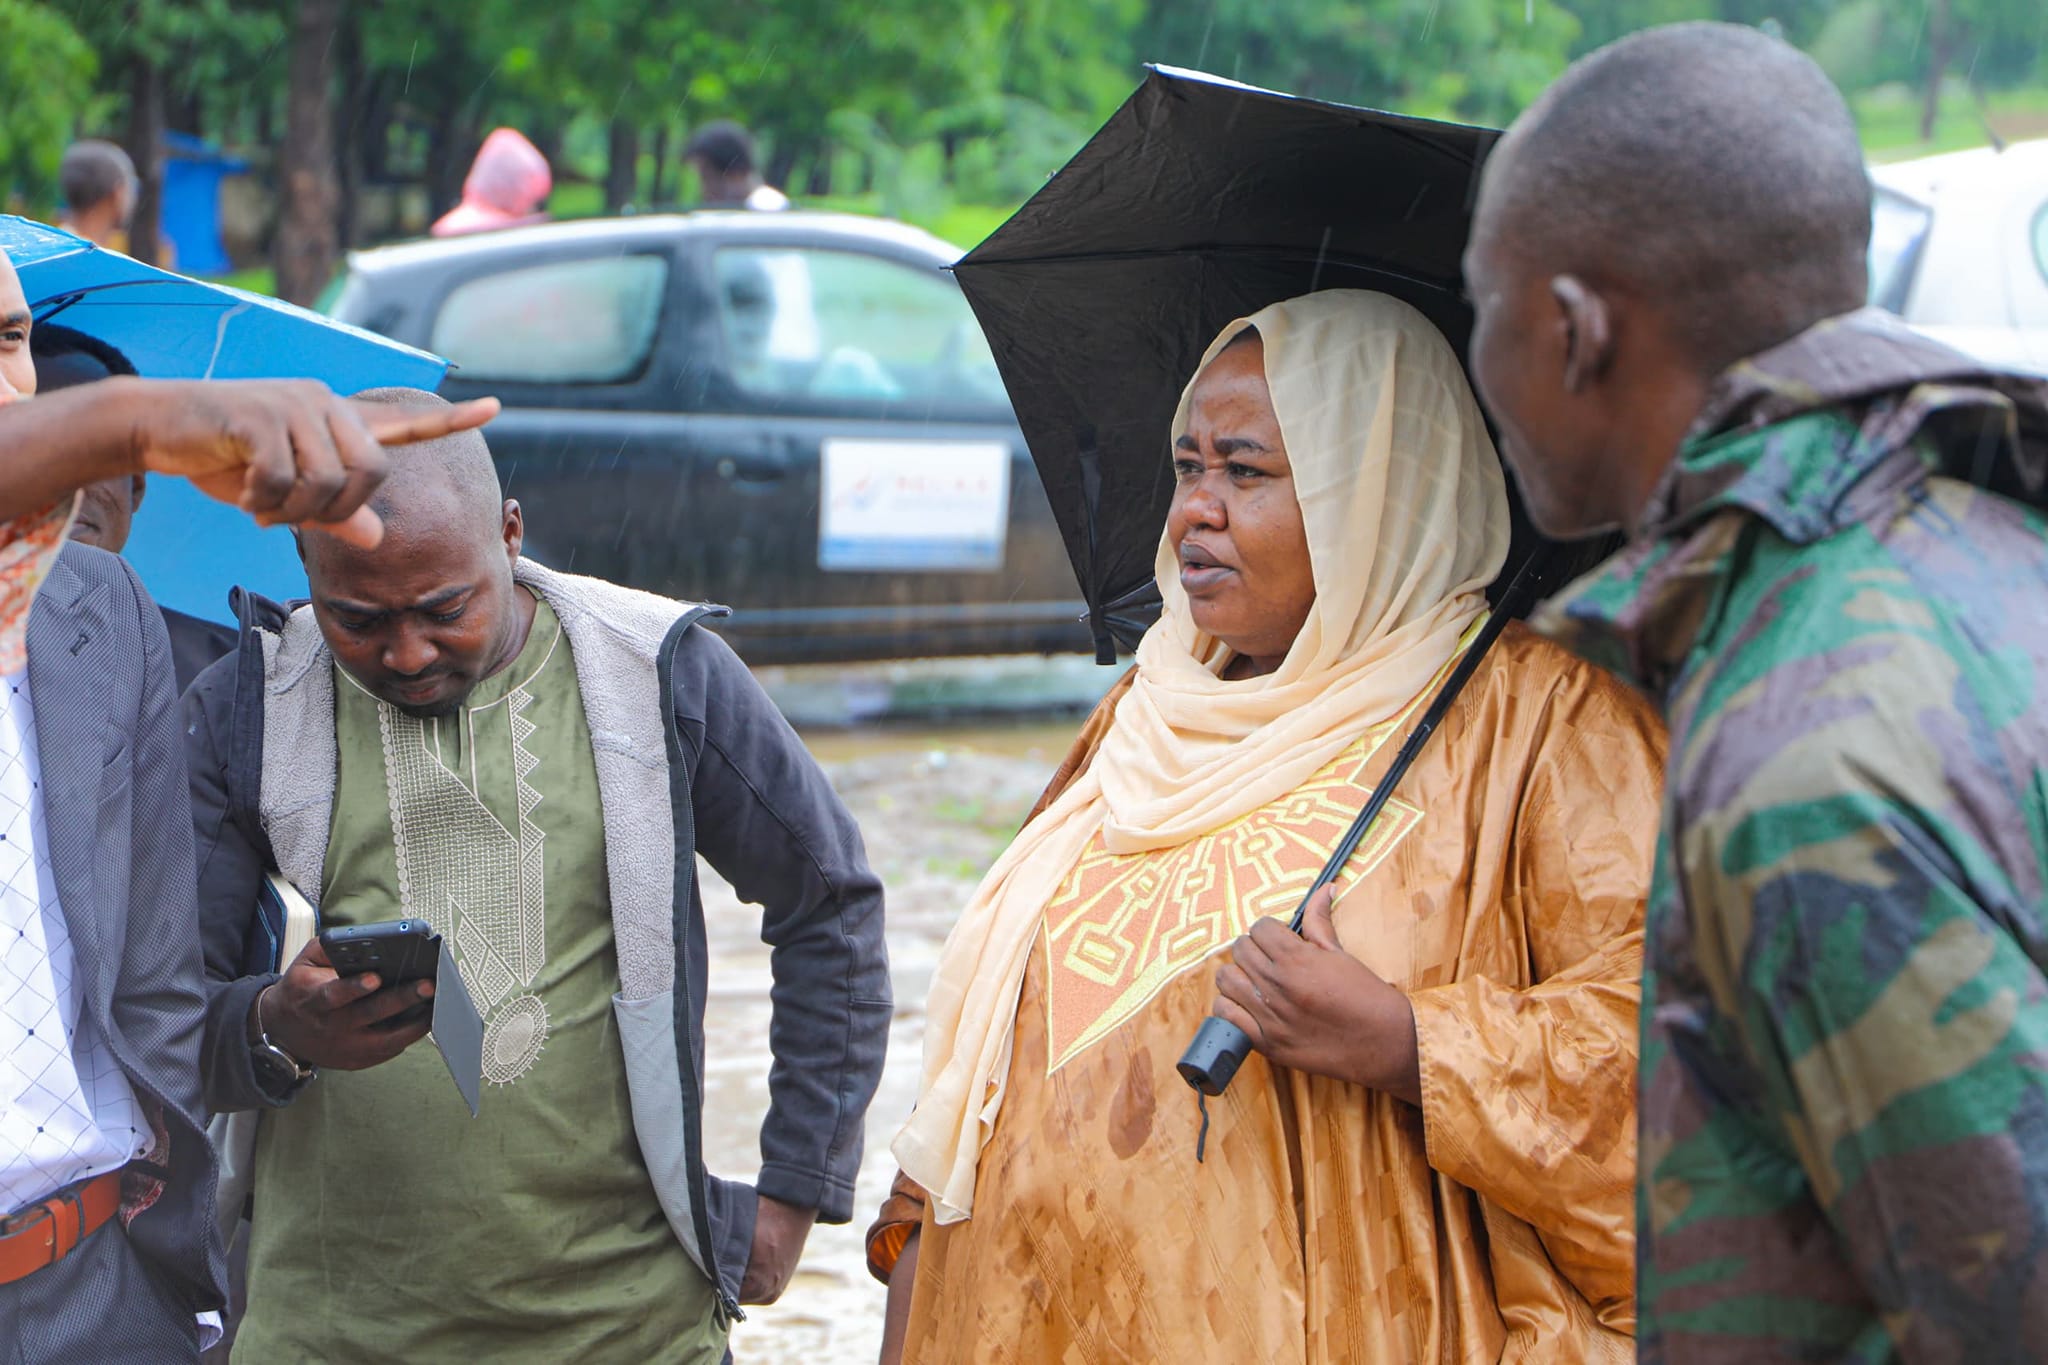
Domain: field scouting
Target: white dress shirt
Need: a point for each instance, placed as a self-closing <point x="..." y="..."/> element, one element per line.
<point x="67" y="1113"/>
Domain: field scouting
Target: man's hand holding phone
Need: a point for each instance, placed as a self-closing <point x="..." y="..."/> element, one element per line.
<point x="328" y="1020"/>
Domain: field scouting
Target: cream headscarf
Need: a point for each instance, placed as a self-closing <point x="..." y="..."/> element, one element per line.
<point x="1406" y="515"/>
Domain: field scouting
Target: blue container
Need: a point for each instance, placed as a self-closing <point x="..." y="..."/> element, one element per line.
<point x="193" y="171"/>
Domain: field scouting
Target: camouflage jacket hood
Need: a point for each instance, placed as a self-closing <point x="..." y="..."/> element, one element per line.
<point x="1914" y="407"/>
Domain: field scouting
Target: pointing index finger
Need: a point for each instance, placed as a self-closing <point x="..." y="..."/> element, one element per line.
<point x="363" y="528"/>
<point x="397" y="426"/>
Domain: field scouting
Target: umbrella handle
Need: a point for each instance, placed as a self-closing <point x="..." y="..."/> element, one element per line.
<point x="1219" y="1049"/>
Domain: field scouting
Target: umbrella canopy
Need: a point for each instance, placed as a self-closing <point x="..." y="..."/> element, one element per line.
<point x="187" y="548"/>
<point x="173" y="327"/>
<point x="1200" y="201"/>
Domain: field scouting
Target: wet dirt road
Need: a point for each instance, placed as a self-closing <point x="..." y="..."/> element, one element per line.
<point x="935" y="804"/>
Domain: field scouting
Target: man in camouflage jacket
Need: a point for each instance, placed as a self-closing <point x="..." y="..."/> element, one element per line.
<point x="1845" y="1068"/>
<point x="1844" y="1107"/>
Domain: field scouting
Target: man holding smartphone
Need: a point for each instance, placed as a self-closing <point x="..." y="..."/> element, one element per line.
<point x="107" y="1245"/>
<point x="530" y="762"/>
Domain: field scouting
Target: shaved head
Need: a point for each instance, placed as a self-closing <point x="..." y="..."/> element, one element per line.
<point x="445" y="486"/>
<point x="1710" y="167"/>
<point x="1676" y="202"/>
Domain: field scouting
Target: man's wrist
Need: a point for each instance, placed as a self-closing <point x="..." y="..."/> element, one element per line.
<point x="1399" y="1061"/>
<point x="258" y="1027"/>
<point x="794" y="1213"/>
<point x="279" y="1073"/>
<point x="123" y="402"/>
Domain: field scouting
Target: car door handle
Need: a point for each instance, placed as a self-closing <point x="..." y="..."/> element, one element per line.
<point x="752" y="469"/>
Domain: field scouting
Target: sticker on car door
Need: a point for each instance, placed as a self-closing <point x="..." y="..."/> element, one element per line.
<point x="913" y="506"/>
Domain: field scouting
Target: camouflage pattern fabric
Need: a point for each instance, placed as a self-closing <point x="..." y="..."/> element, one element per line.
<point x="1844" y="1105"/>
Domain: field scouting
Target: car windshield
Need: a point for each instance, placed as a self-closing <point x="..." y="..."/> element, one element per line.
<point x="1898" y="227"/>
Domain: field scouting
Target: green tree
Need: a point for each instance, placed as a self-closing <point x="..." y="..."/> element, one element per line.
<point x="156" y="52"/>
<point x="1475" y="59"/>
<point x="47" y="70"/>
<point x="308" y="241"/>
<point x="1989" y="44"/>
<point x="1602" y="21"/>
<point x="434" y="78"/>
<point x="1997" y="42"/>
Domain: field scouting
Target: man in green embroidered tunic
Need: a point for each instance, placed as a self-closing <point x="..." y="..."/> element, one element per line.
<point x="496" y="764"/>
<point x="1836" y="592"/>
<point x="532" y="1232"/>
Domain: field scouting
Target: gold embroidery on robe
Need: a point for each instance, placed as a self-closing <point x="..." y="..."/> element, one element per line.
<point x="1124" y="925"/>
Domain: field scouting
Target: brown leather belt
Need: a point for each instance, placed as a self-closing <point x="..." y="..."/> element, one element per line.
<point x="44" y="1234"/>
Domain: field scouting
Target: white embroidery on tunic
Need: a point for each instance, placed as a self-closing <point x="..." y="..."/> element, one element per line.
<point x="459" y="866"/>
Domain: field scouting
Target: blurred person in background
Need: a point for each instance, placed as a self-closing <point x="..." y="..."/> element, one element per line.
<point x="508" y="186"/>
<point x="65" y="358"/>
<point x="100" y="186"/>
<point x="728" y="170"/>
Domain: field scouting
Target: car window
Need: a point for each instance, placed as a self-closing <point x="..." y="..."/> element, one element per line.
<point x="1898" y="228"/>
<point x="840" y="329"/>
<point x="567" y="322"/>
<point x="352" y="302"/>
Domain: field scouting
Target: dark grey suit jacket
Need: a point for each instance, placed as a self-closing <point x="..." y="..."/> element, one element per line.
<point x="115" y="809"/>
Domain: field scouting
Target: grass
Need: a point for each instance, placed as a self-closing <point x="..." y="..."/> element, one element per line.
<point x="955" y="869"/>
<point x="1888" y="118"/>
<point x="964" y="225"/>
<point x="577" y="200"/>
<point x="974" y="813"/>
<point x="257" y="279"/>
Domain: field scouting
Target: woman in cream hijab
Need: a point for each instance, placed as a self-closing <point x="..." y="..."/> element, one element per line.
<point x="1431" y="1156"/>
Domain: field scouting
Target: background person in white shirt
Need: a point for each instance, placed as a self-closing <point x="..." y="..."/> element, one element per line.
<point x="729" y="170"/>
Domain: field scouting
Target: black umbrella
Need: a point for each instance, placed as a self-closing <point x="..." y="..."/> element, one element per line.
<point x="1201" y="200"/>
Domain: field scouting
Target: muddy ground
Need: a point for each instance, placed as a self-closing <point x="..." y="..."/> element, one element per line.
<point x="936" y="805"/>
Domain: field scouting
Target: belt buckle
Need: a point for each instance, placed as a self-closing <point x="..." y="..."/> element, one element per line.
<point x="45" y="1211"/>
<point x="22" y="1219"/>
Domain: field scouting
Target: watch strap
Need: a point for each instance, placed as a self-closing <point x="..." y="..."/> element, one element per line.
<point x="278" y="1072"/>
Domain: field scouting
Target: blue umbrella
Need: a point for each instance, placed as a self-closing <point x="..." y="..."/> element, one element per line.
<point x="188" y="548"/>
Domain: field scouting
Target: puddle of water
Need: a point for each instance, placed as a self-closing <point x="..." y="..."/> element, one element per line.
<point x="1045" y="741"/>
<point x="1020" y="687"/>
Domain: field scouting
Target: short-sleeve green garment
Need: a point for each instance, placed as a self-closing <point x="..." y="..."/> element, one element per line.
<point x="389" y="1225"/>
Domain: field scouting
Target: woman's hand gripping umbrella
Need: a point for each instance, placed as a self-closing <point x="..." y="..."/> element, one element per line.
<point x="1309" y="1005"/>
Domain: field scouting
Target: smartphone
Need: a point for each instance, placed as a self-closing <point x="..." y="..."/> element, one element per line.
<point x="398" y="951"/>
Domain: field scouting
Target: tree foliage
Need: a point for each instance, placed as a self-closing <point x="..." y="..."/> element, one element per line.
<point x="1477" y="59"/>
<point x="903" y="101"/>
<point x="47" y="70"/>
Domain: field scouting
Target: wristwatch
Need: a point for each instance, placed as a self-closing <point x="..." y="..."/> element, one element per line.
<point x="278" y="1073"/>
